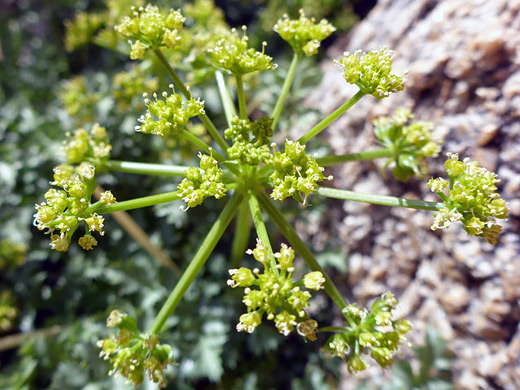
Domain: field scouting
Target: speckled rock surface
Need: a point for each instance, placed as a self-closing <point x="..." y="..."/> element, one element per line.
<point x="463" y="58"/>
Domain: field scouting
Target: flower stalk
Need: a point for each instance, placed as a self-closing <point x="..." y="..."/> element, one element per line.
<point x="189" y="275"/>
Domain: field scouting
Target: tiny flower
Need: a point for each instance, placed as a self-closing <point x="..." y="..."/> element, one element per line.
<point x="87" y="242"/>
<point x="107" y="198"/>
<point x="356" y="364"/>
<point x="307" y="329"/>
<point x="138" y="50"/>
<point x="242" y="277"/>
<point x="314" y="281"/>
<point x="249" y="322"/>
<point x="285" y="322"/>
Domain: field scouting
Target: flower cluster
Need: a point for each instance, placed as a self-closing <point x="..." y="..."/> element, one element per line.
<point x="250" y="140"/>
<point x="304" y="34"/>
<point x="132" y="352"/>
<point x="81" y="29"/>
<point x="78" y="100"/>
<point x="131" y="84"/>
<point x="65" y="209"/>
<point x="295" y="173"/>
<point x="172" y="114"/>
<point x="93" y="147"/>
<point x="412" y="144"/>
<point x="8" y="310"/>
<point x="151" y="28"/>
<point x="371" y="331"/>
<point x="12" y="254"/>
<point x="274" y="293"/>
<point x="206" y="26"/>
<point x="471" y="199"/>
<point x="371" y="72"/>
<point x="202" y="183"/>
<point x="233" y="55"/>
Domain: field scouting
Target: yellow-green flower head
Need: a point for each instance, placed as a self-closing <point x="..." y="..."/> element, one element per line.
<point x="273" y="293"/>
<point x="132" y="353"/>
<point x="303" y="34"/>
<point x="233" y="55"/>
<point x="471" y="199"/>
<point x="369" y="332"/>
<point x="412" y="143"/>
<point x="65" y="209"/>
<point x="93" y="147"/>
<point x="81" y="29"/>
<point x="169" y="115"/>
<point x="295" y="173"/>
<point x="202" y="183"/>
<point x="371" y="72"/>
<point x="250" y="140"/>
<point x="129" y="86"/>
<point x="151" y="28"/>
<point x="8" y="310"/>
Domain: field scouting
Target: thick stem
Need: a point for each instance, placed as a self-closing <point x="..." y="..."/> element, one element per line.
<point x="299" y="246"/>
<point x="208" y="124"/>
<point x="139" y="203"/>
<point x="382" y="200"/>
<point x="225" y="97"/>
<point x="207" y="246"/>
<point x="242" y="234"/>
<point x="362" y="156"/>
<point x="332" y="117"/>
<point x="146" y="168"/>
<point x="285" y="88"/>
<point x="241" y="97"/>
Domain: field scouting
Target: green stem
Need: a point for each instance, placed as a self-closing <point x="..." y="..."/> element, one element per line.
<point x="208" y="124"/>
<point x="204" y="146"/>
<point x="241" y="97"/>
<point x="145" y="168"/>
<point x="225" y="97"/>
<point x="261" y="230"/>
<point x="362" y="156"/>
<point x="242" y="234"/>
<point x="285" y="88"/>
<point x="332" y="117"/>
<point x="189" y="275"/>
<point x="379" y="199"/>
<point x="299" y="246"/>
<point x="139" y="202"/>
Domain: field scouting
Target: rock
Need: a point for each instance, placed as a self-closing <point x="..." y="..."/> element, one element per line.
<point x="463" y="58"/>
